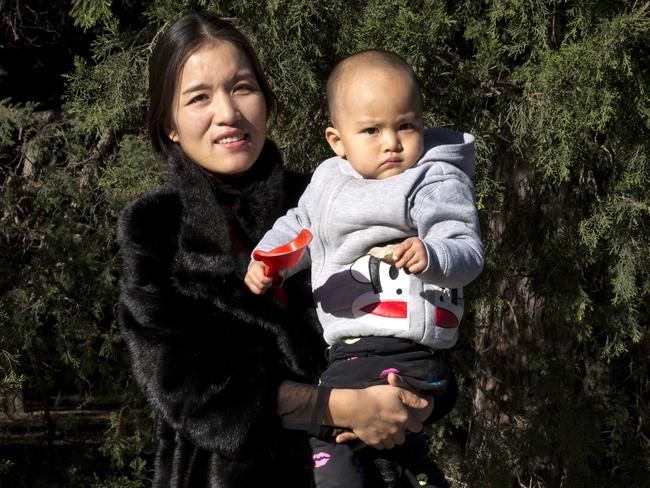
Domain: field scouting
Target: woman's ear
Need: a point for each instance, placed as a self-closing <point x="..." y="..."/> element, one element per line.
<point x="334" y="140"/>
<point x="172" y="134"/>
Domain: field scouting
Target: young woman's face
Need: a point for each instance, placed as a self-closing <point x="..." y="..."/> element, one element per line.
<point x="219" y="111"/>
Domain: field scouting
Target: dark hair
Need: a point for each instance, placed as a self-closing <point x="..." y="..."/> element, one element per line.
<point x="369" y="57"/>
<point x="182" y="39"/>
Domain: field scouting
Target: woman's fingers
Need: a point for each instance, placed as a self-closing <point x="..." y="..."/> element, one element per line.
<point x="400" y="438"/>
<point x="409" y="399"/>
<point x="413" y="425"/>
<point x="351" y="439"/>
<point x="396" y="380"/>
<point x="356" y="443"/>
<point x="346" y="437"/>
<point x="388" y="444"/>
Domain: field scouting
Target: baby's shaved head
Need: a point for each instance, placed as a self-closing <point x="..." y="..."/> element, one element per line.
<point x="362" y="62"/>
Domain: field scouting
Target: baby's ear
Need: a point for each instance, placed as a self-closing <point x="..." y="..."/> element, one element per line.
<point x="334" y="140"/>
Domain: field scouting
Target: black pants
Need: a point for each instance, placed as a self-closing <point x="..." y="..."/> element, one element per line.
<point x="337" y="466"/>
<point x="367" y="362"/>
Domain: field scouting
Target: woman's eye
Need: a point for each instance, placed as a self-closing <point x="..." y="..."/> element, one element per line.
<point x="198" y="98"/>
<point x="371" y="131"/>
<point x="244" y="88"/>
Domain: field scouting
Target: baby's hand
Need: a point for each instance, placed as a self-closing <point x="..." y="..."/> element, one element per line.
<point x="255" y="278"/>
<point x="411" y="254"/>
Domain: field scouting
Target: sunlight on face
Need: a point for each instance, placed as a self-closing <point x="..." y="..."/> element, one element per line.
<point x="219" y="111"/>
<point x="379" y="127"/>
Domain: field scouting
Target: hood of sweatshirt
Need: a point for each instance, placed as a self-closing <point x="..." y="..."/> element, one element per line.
<point x="452" y="147"/>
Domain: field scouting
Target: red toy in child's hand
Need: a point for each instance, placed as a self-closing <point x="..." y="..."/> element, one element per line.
<point x="283" y="257"/>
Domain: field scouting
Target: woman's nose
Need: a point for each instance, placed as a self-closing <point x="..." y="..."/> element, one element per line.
<point x="225" y="110"/>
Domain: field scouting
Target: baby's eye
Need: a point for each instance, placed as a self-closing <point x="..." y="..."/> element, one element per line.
<point x="407" y="126"/>
<point x="371" y="131"/>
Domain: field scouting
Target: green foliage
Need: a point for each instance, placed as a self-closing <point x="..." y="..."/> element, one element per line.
<point x="108" y="95"/>
<point x="13" y="117"/>
<point x="88" y="13"/>
<point x="9" y="382"/>
<point x="134" y="171"/>
<point x="552" y="360"/>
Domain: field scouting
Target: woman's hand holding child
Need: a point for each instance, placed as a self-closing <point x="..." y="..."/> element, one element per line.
<point x="378" y="415"/>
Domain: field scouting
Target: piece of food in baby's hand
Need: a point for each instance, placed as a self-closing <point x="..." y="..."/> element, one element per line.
<point x="383" y="253"/>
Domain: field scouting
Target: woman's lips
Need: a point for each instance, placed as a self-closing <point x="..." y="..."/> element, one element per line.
<point x="233" y="142"/>
<point x="229" y="139"/>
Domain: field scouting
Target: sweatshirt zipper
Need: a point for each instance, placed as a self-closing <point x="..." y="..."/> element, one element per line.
<point x="324" y="218"/>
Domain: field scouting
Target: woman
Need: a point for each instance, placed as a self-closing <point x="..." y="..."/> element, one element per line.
<point x="229" y="374"/>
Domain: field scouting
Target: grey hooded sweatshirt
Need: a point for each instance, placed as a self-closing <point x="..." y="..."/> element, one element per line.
<point x="358" y="295"/>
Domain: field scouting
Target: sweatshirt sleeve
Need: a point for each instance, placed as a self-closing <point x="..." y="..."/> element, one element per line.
<point x="447" y="222"/>
<point x="287" y="227"/>
<point x="213" y="377"/>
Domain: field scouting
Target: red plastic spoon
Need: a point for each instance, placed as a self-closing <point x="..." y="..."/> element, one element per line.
<point x="283" y="257"/>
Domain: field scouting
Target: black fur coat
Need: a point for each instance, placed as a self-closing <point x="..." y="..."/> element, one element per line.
<point x="207" y="353"/>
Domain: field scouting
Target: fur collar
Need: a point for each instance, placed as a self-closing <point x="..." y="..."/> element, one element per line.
<point x="210" y="267"/>
<point x="252" y="201"/>
<point x="222" y="219"/>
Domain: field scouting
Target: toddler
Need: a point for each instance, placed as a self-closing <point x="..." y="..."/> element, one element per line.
<point x="396" y="237"/>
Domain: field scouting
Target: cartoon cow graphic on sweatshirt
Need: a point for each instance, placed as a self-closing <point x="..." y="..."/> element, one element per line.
<point x="384" y="304"/>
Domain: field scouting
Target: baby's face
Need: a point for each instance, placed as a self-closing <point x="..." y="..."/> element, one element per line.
<point x="379" y="123"/>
